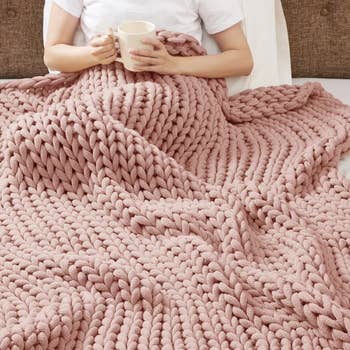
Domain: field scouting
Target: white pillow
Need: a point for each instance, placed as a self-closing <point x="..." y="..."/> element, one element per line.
<point x="265" y="28"/>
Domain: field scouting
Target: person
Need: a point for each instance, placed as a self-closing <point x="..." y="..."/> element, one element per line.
<point x="221" y="19"/>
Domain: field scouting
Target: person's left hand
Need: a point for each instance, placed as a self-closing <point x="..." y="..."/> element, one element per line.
<point x="155" y="59"/>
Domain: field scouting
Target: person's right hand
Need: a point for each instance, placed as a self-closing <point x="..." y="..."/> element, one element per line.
<point x="103" y="50"/>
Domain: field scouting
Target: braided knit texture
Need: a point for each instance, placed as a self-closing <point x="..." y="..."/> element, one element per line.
<point x="147" y="211"/>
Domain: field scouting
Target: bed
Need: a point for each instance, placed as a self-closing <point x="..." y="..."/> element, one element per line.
<point x="326" y="62"/>
<point x="130" y="219"/>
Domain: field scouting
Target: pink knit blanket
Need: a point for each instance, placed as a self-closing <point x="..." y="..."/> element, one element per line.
<point x="146" y="211"/>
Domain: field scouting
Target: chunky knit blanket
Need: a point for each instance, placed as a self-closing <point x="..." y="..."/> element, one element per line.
<point x="146" y="211"/>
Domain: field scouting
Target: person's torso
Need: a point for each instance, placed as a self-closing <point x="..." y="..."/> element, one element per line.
<point x="175" y="15"/>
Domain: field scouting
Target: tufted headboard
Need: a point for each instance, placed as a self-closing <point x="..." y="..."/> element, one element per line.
<point x="319" y="34"/>
<point x="21" y="46"/>
<point x="319" y="37"/>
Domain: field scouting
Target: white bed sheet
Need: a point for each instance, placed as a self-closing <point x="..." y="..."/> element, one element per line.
<point x="339" y="88"/>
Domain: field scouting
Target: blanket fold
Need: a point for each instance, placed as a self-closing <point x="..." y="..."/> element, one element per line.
<point x="147" y="211"/>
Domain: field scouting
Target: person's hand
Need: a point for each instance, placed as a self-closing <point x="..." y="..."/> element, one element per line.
<point x="155" y="59"/>
<point x="103" y="50"/>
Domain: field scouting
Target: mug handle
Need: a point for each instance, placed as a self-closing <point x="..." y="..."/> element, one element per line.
<point x="115" y="35"/>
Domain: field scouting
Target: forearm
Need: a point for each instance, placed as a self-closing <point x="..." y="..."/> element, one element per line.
<point x="225" y="64"/>
<point x="67" y="58"/>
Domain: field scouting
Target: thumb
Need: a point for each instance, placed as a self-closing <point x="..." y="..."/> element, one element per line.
<point x="95" y="39"/>
<point x="111" y="32"/>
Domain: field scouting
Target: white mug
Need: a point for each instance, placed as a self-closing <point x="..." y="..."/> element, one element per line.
<point x="130" y="35"/>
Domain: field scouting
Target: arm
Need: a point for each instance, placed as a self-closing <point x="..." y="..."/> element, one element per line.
<point x="61" y="55"/>
<point x="234" y="60"/>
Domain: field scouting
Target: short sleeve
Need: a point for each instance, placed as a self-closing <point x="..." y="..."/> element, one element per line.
<point x="219" y="15"/>
<point x="74" y="7"/>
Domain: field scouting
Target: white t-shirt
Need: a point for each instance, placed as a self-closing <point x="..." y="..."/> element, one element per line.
<point x="184" y="16"/>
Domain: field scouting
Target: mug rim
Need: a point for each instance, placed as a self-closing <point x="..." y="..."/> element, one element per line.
<point x="136" y="21"/>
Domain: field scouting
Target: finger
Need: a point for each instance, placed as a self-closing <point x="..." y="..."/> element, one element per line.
<point x="143" y="67"/>
<point x="110" y="39"/>
<point x="96" y="36"/>
<point x="109" y="59"/>
<point x="145" y="60"/>
<point x="94" y="40"/>
<point x="102" y="40"/>
<point x="103" y="49"/>
<point x="99" y="41"/>
<point x="157" y="44"/>
<point x="144" y="52"/>
<point x="107" y="54"/>
<point x="135" y="69"/>
<point x="111" y="33"/>
<point x="104" y="55"/>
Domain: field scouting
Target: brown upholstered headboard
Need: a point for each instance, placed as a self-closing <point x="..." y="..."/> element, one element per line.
<point x="319" y="37"/>
<point x="21" y="44"/>
<point x="319" y="33"/>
